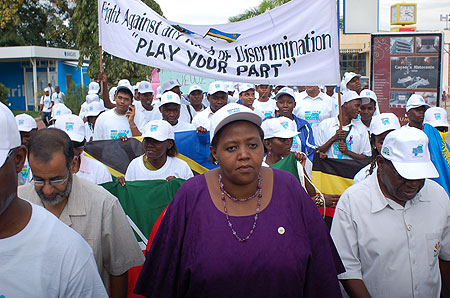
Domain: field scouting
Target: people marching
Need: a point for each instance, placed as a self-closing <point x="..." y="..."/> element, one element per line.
<point x="242" y="228"/>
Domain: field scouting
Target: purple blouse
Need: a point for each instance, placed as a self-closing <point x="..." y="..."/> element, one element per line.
<point x="195" y="254"/>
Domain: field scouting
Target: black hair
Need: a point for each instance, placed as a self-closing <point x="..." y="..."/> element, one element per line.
<point x="216" y="138"/>
<point x="126" y="90"/>
<point x="375" y="153"/>
<point x="46" y="142"/>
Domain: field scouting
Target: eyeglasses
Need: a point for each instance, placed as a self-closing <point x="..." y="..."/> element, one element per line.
<point x="56" y="182"/>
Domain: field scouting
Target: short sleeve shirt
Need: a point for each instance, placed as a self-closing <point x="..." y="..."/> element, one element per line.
<point x="111" y="126"/>
<point x="46" y="102"/>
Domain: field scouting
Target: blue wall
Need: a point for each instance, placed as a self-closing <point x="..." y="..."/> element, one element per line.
<point x="11" y="75"/>
<point x="64" y="69"/>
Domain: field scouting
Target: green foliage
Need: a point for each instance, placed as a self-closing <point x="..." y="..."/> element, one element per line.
<point x="4" y="92"/>
<point x="75" y="97"/>
<point x="264" y="6"/>
<point x="39" y="23"/>
<point x="86" y="17"/>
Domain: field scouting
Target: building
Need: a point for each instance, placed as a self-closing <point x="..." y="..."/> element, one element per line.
<point x="27" y="70"/>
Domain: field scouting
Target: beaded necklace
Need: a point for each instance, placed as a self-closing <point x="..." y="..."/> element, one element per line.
<point x="258" y="207"/>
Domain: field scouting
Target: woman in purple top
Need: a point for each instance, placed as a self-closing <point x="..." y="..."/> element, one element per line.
<point x="241" y="230"/>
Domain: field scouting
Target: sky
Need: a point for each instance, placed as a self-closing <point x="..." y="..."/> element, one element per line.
<point x="210" y="12"/>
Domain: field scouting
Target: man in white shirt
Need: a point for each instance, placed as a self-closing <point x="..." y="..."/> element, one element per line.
<point x="351" y="81"/>
<point x="263" y="102"/>
<point x="313" y="106"/>
<point x="118" y="123"/>
<point x="350" y="142"/>
<point x="88" y="168"/>
<point x="45" y="106"/>
<point x="369" y="109"/>
<point x="27" y="127"/>
<point x="217" y="97"/>
<point x="39" y="255"/>
<point x="174" y="86"/>
<point x="146" y="109"/>
<point x="392" y="230"/>
<point x="195" y="97"/>
<point x="415" y="110"/>
<point x="170" y="110"/>
<point x="58" y="96"/>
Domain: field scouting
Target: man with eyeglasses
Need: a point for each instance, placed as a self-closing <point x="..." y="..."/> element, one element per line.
<point x="87" y="208"/>
<point x="89" y="169"/>
<point x="392" y="230"/>
<point x="39" y="255"/>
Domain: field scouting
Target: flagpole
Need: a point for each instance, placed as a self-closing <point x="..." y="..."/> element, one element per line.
<point x="101" y="64"/>
<point x="339" y="106"/>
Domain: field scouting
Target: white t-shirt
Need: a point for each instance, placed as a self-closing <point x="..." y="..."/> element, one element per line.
<point x="111" y="126"/>
<point x="93" y="170"/>
<point x="267" y="108"/>
<point x="357" y="139"/>
<point x="25" y="175"/>
<point x="203" y="119"/>
<point x="46" y="101"/>
<point x="48" y="259"/>
<point x="144" y="116"/>
<point x="88" y="132"/>
<point x="183" y="126"/>
<point x="173" y="167"/>
<point x="58" y="97"/>
<point x="313" y="110"/>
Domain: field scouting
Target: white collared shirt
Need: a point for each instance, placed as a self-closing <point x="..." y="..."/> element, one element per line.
<point x="313" y="109"/>
<point x="203" y="118"/>
<point x="393" y="249"/>
<point x="357" y="139"/>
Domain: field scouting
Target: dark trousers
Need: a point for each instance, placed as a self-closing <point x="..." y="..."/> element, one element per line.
<point x="46" y="118"/>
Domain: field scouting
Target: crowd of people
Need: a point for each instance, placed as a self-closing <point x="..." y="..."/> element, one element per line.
<point x="242" y="229"/>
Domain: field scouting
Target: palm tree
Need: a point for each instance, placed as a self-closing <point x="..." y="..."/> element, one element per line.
<point x="264" y="6"/>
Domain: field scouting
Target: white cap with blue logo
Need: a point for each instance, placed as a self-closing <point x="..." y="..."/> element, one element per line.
<point x="436" y="117"/>
<point x="159" y="130"/>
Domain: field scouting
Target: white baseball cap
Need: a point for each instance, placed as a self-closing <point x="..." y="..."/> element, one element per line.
<point x="348" y="76"/>
<point x="367" y="95"/>
<point x="435" y="116"/>
<point x="72" y="125"/>
<point x="285" y="90"/>
<point x="195" y="88"/>
<point x="230" y="86"/>
<point x="159" y="130"/>
<point x="159" y="92"/>
<point x="170" y="97"/>
<point x="46" y="89"/>
<point x="12" y="138"/>
<point x="217" y="86"/>
<point x="125" y="84"/>
<point x="229" y="113"/>
<point x="145" y="87"/>
<point x="112" y="92"/>
<point x="407" y="149"/>
<point x="94" y="88"/>
<point x="281" y="127"/>
<point x="58" y="110"/>
<point x="92" y="97"/>
<point x="169" y="85"/>
<point x="383" y="122"/>
<point x="94" y="109"/>
<point x="245" y="86"/>
<point x="25" y="122"/>
<point x="349" y="95"/>
<point x="415" y="101"/>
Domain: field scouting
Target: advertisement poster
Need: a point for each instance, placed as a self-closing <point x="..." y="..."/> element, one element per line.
<point x="404" y="64"/>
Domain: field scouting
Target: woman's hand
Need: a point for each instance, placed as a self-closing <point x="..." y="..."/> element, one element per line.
<point x="121" y="180"/>
<point x="331" y="200"/>
<point x="301" y="157"/>
<point x="170" y="178"/>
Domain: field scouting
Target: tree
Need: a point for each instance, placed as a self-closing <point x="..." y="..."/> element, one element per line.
<point x="86" y="17"/>
<point x="264" y="6"/>
<point x="4" y="92"/>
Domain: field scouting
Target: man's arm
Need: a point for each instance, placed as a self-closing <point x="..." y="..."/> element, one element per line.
<point x="343" y="148"/>
<point x="119" y="285"/>
<point x="355" y="288"/>
<point x="106" y="101"/>
<point x="131" y="115"/>
<point x="339" y="135"/>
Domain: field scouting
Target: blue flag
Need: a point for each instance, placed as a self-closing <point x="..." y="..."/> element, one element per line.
<point x="440" y="156"/>
<point x="195" y="146"/>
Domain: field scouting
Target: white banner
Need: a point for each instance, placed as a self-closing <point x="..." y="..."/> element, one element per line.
<point x="294" y="44"/>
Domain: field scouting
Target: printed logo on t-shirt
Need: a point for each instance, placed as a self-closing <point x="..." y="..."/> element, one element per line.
<point x="153" y="128"/>
<point x="437" y="116"/>
<point x="116" y="134"/>
<point x="312" y="116"/>
<point x="69" y="126"/>
<point x="46" y="101"/>
<point x="418" y="151"/>
<point x="267" y="114"/>
<point x="24" y="174"/>
<point x="385" y="121"/>
<point x="336" y="150"/>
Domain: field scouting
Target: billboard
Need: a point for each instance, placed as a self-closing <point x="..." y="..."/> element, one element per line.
<point x="404" y="64"/>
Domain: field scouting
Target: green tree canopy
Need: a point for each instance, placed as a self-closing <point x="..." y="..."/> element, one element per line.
<point x="264" y="6"/>
<point x="86" y="17"/>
